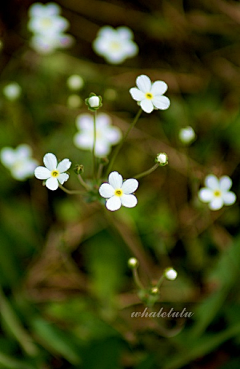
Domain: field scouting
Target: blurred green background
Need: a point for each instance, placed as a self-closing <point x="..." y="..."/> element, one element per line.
<point x="67" y="293"/>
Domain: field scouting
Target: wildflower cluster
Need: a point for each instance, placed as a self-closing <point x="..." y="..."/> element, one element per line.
<point x="48" y="28"/>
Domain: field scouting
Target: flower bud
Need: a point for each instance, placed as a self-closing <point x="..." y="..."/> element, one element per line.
<point x="75" y="82"/>
<point x="154" y="291"/>
<point x="79" y="168"/>
<point x="187" y="135"/>
<point x="133" y="263"/>
<point x="170" y="274"/>
<point x="162" y="159"/>
<point x="93" y="102"/>
<point x="12" y="91"/>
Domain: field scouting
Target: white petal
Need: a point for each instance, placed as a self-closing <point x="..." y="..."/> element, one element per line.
<point x="64" y="165"/>
<point x="23" y="151"/>
<point x="129" y="186"/>
<point x="42" y="173"/>
<point x="212" y="182"/>
<point x="63" y="177"/>
<point x="229" y="197"/>
<point x="114" y="203"/>
<point x="129" y="201"/>
<point x="84" y="121"/>
<point x="106" y="190"/>
<point x="102" y="148"/>
<point x="52" y="184"/>
<point x="216" y="203"/>
<point x="50" y="161"/>
<point x="225" y="183"/>
<point x="8" y="156"/>
<point x="115" y="180"/>
<point x="159" y="87"/>
<point x="124" y="33"/>
<point x="205" y="195"/>
<point x="136" y="94"/>
<point x="83" y="140"/>
<point x="161" y="102"/>
<point x="144" y="83"/>
<point x="113" y="134"/>
<point x="146" y="105"/>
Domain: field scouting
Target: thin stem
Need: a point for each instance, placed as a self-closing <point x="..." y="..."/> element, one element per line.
<point x="70" y="192"/>
<point x="160" y="281"/>
<point x="143" y="174"/>
<point x="118" y="148"/>
<point x="94" y="144"/>
<point x="83" y="183"/>
<point x="137" y="279"/>
<point x="16" y="327"/>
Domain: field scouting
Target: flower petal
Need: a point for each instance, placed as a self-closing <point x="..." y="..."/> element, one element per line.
<point x="129" y="201"/>
<point x="159" y="87"/>
<point x="146" y="105"/>
<point x="63" y="177"/>
<point x="64" y="165"/>
<point x="216" y="203"/>
<point x="52" y="184"/>
<point x="8" y="156"/>
<point x="50" y="161"/>
<point x="106" y="190"/>
<point x="225" y="183"/>
<point x="144" y="83"/>
<point x="229" y="197"/>
<point x="42" y="173"/>
<point x="129" y="186"/>
<point x="114" y="203"/>
<point x="212" y="182"/>
<point x="136" y="94"/>
<point x="115" y="180"/>
<point x="206" y="195"/>
<point x="161" y="102"/>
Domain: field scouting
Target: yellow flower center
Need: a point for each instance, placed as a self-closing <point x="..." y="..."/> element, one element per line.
<point x="148" y="95"/>
<point x="217" y="193"/>
<point x="55" y="173"/>
<point x="115" y="45"/>
<point x="118" y="192"/>
<point x="46" y="22"/>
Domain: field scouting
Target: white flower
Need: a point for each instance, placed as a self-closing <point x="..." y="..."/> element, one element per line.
<point x="115" y="45"/>
<point x="12" y="91"/>
<point x="75" y="82"/>
<point x="216" y="192"/>
<point x="170" y="274"/>
<point x="149" y="95"/>
<point x="46" y="44"/>
<point x="187" y="135"/>
<point x="133" y="263"/>
<point x="46" y="20"/>
<point x="106" y="134"/>
<point x="54" y="172"/>
<point x="118" y="192"/>
<point x="19" y="161"/>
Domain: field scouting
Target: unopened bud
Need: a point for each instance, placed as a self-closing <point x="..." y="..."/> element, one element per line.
<point x="170" y="274"/>
<point x="187" y="135"/>
<point x="94" y="102"/>
<point x="162" y="159"/>
<point x="133" y="263"/>
<point x="154" y="290"/>
<point x="79" y="168"/>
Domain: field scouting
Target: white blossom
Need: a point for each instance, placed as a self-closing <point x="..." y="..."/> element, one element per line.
<point x="187" y="135"/>
<point x="150" y="95"/>
<point x="53" y="173"/>
<point x="46" y="44"/>
<point x="19" y="161"/>
<point x="216" y="193"/>
<point x="106" y="134"/>
<point x="162" y="159"/>
<point x="119" y="192"/>
<point x="115" y="45"/>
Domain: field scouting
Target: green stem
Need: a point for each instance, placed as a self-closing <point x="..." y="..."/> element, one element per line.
<point x="118" y="148"/>
<point x="137" y="279"/>
<point x="70" y="192"/>
<point x="94" y="144"/>
<point x="143" y="174"/>
<point x="160" y="281"/>
<point x="83" y="183"/>
<point x="15" y="326"/>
